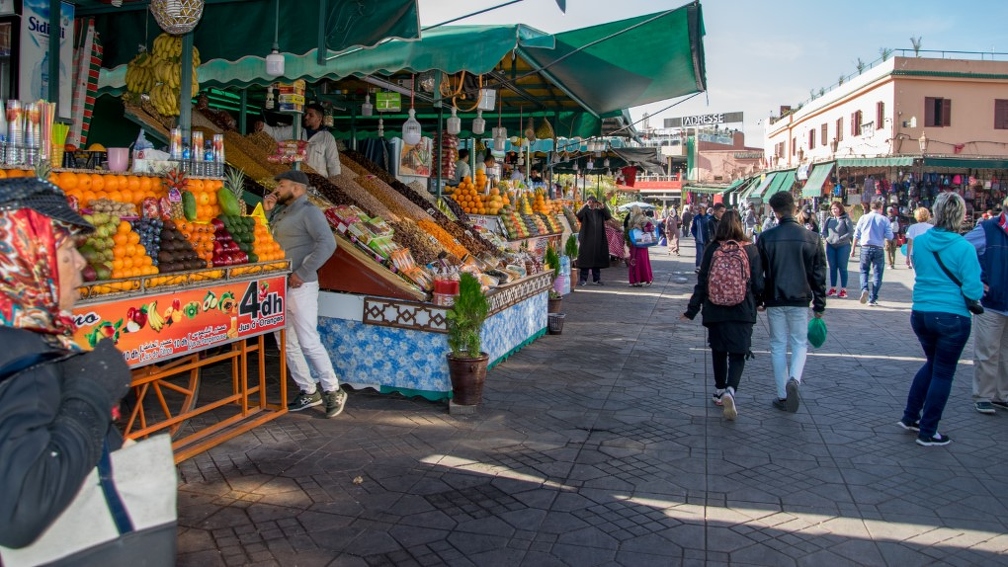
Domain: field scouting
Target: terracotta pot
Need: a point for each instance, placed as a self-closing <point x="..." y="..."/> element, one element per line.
<point x="553" y="305"/>
<point x="467" y="378"/>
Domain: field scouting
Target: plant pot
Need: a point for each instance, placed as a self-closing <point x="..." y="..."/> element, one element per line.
<point x="467" y="378"/>
<point x="554" y="304"/>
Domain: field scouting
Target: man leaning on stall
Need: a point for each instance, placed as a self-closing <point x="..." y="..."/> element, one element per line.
<point x="303" y="232"/>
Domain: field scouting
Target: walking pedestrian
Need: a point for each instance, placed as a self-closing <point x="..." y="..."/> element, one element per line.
<point x="687" y="220"/>
<point x="839" y="231"/>
<point x="750" y="220"/>
<point x="897" y="228"/>
<point x="702" y="234"/>
<point x="672" y="231"/>
<point x="794" y="268"/>
<point x="872" y="232"/>
<point x="729" y="327"/>
<point x="946" y="270"/>
<point x="304" y="234"/>
<point x="990" y="328"/>
<point x="923" y="224"/>
<point x="593" y="253"/>
<point x="639" y="262"/>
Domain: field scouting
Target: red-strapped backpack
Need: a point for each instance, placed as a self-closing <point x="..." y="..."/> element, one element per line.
<point x="728" y="277"/>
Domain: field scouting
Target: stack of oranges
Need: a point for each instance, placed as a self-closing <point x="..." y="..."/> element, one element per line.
<point x="265" y="247"/>
<point x="205" y="192"/>
<point x="87" y="187"/>
<point x="129" y="257"/>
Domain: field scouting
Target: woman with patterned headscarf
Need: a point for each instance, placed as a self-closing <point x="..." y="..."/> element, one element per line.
<point x="55" y="400"/>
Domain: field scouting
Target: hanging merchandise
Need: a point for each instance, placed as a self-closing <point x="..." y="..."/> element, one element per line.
<point x="478" y="125"/>
<point x="367" y="109"/>
<point x="177" y="16"/>
<point x="545" y="130"/>
<point x="454" y="123"/>
<point x="411" y="128"/>
<point x="500" y="132"/>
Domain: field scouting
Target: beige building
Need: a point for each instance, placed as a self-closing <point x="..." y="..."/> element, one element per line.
<point x="902" y="115"/>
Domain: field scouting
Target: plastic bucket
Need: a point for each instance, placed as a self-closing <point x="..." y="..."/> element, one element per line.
<point x="118" y="159"/>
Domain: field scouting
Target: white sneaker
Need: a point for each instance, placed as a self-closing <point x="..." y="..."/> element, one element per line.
<point x="728" y="402"/>
<point x="864" y="297"/>
<point x="716" y="398"/>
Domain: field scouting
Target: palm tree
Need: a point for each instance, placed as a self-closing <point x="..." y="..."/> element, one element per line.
<point x="916" y="42"/>
<point x="860" y="65"/>
<point x="885" y="52"/>
<point x="842" y="78"/>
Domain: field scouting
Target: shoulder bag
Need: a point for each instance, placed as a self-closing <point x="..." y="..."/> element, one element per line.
<point x="973" y="305"/>
<point x="124" y="514"/>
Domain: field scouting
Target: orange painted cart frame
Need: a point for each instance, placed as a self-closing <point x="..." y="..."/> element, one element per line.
<point x="232" y="325"/>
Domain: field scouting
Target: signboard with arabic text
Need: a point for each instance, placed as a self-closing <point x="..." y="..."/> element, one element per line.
<point x="160" y="326"/>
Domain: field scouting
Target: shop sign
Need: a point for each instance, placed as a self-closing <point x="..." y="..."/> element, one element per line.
<point x="703" y="120"/>
<point x="388" y="102"/>
<point x="34" y="65"/>
<point x="160" y="326"/>
<point x="6" y="7"/>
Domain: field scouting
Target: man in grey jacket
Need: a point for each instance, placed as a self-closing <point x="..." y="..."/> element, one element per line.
<point x="303" y="232"/>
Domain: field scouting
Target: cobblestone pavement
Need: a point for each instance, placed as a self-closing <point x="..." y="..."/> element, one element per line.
<point x="600" y="446"/>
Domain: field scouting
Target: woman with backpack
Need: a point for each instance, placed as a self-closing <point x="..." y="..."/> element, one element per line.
<point x="730" y="280"/>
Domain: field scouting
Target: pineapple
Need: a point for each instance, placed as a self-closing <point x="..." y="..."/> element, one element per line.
<point x="176" y="181"/>
<point x="234" y="181"/>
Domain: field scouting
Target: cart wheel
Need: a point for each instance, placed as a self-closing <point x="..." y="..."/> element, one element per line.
<point x="163" y="398"/>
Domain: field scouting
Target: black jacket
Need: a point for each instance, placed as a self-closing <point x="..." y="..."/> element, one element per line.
<point x="53" y="420"/>
<point x="744" y="312"/>
<point x="794" y="266"/>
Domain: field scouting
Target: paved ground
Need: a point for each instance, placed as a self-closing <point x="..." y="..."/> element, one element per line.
<point x="600" y="446"/>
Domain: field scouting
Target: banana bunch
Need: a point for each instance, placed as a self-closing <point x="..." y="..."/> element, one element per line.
<point x="159" y="73"/>
<point x="154" y="319"/>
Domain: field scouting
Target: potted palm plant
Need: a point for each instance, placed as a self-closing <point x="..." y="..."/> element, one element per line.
<point x="552" y="260"/>
<point x="571" y="251"/>
<point x="467" y="363"/>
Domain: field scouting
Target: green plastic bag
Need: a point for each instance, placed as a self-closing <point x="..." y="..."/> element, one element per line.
<point x="816" y="332"/>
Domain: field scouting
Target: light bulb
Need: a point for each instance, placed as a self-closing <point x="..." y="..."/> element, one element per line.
<point x="478" y="125"/>
<point x="605" y="163"/>
<point x="454" y="124"/>
<point x="411" y="130"/>
<point x="499" y="138"/>
<point x="590" y="165"/>
<point x="575" y="166"/>
<point x="381" y="128"/>
<point x="275" y="63"/>
<point x="367" y="109"/>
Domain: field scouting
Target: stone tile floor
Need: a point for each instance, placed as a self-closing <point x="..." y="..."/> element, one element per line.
<point x="600" y="446"/>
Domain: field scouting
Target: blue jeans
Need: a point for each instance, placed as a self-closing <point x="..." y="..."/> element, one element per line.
<point x="788" y="327"/>
<point x="872" y="258"/>
<point x="943" y="336"/>
<point x="837" y="258"/>
<point x="699" y="253"/>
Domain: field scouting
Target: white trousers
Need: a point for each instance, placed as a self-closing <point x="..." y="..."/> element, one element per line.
<point x="788" y="328"/>
<point x="304" y="346"/>
<point x="990" y="357"/>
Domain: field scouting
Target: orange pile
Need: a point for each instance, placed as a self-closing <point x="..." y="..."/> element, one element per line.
<point x="200" y="235"/>
<point x="205" y="191"/>
<point x="264" y="246"/>
<point x="87" y="187"/>
<point x="129" y="258"/>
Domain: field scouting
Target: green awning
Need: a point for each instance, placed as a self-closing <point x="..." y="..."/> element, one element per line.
<point x="707" y="189"/>
<point x="736" y="183"/>
<point x="966" y="162"/>
<point x="783" y="181"/>
<point x="750" y="187"/>
<point x="764" y="185"/>
<point x="813" y="187"/>
<point x="237" y="28"/>
<point x="894" y="161"/>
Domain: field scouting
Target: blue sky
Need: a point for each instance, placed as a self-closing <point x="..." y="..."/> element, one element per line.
<point x="762" y="54"/>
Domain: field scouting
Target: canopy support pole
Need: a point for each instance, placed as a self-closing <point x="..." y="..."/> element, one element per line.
<point x="242" y="117"/>
<point x="440" y="148"/>
<point x="54" y="53"/>
<point x="321" y="52"/>
<point x="185" y="89"/>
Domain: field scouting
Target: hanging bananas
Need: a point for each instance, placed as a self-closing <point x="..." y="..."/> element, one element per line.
<point x="159" y="73"/>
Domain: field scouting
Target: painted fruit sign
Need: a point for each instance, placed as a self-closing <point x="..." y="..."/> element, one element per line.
<point x="156" y="327"/>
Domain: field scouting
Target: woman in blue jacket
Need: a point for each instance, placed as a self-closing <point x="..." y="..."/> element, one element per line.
<point x="939" y="315"/>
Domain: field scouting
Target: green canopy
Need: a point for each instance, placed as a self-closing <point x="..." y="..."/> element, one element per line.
<point x="813" y="187"/>
<point x="892" y="161"/>
<point x="237" y="28"/>
<point x="783" y="181"/>
<point x="764" y="185"/>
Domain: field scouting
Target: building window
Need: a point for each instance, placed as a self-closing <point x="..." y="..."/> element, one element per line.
<point x="879" y="114"/>
<point x="839" y="129"/>
<point x="855" y="123"/>
<point x="794" y="146"/>
<point x="823" y="136"/>
<point x="1001" y="114"/>
<point x="937" y="111"/>
<point x="811" y="139"/>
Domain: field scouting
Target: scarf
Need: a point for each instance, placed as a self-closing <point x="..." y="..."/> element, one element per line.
<point x="1003" y="222"/>
<point x="29" y="289"/>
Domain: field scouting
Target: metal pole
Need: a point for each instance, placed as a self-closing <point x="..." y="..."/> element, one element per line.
<point x="55" y="33"/>
<point x="185" y="90"/>
<point x="440" y="133"/>
<point x="242" y="118"/>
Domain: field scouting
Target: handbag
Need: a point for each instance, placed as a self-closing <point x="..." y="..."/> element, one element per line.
<point x="124" y="513"/>
<point x="973" y="305"/>
<point x="816" y="332"/>
<point x="642" y="239"/>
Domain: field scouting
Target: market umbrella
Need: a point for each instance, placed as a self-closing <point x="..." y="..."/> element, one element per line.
<point x="641" y="204"/>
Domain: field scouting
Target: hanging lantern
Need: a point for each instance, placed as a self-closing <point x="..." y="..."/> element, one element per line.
<point x="454" y="123"/>
<point x="381" y="128"/>
<point x="605" y="163"/>
<point x="411" y="128"/>
<point x="478" y="125"/>
<point x="499" y="138"/>
<point x="590" y="164"/>
<point x="367" y="109"/>
<point x="177" y="16"/>
<point x="575" y="167"/>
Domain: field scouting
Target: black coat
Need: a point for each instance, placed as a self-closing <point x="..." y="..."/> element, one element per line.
<point x="594" y="247"/>
<point x="744" y="312"/>
<point x="794" y="265"/>
<point x="53" y="421"/>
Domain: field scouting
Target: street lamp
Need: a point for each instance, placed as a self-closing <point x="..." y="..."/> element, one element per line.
<point x="923" y="141"/>
<point x="833" y="145"/>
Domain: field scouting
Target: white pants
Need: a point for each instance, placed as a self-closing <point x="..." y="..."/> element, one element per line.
<point x="990" y="357"/>
<point x="788" y="327"/>
<point x="304" y="346"/>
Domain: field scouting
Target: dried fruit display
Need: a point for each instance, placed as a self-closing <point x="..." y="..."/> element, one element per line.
<point x="424" y="247"/>
<point x="446" y="240"/>
<point x="362" y="198"/>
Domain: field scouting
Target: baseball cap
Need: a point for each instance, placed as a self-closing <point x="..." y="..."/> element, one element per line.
<point x="42" y="197"/>
<point x="295" y="175"/>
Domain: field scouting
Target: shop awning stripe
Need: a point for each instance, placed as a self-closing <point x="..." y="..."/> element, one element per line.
<point x="813" y="187"/>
